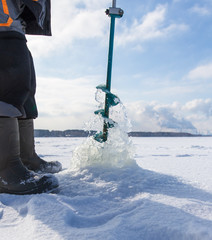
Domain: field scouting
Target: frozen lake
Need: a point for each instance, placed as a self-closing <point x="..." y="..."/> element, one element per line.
<point x="167" y="195"/>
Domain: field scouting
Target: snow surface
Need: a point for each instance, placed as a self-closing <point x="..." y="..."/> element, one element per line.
<point x="166" y="195"/>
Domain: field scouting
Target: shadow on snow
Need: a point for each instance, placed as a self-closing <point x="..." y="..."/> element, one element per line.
<point x="117" y="203"/>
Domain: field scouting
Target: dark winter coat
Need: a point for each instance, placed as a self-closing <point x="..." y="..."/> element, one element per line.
<point x="26" y="16"/>
<point x="17" y="74"/>
<point x="37" y="16"/>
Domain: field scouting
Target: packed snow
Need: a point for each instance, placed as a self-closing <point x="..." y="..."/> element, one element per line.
<point x="162" y="190"/>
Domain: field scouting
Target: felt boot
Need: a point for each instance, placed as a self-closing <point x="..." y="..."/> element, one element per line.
<point x="15" y="178"/>
<point x="27" y="148"/>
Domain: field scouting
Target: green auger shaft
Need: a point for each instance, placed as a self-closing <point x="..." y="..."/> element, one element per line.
<point x="109" y="75"/>
<point x="113" y="13"/>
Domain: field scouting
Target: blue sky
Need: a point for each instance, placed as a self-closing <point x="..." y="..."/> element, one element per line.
<point x="162" y="66"/>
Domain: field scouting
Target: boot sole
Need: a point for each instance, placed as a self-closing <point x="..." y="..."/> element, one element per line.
<point x="30" y="192"/>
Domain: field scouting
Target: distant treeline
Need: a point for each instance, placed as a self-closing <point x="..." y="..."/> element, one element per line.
<point x="66" y="133"/>
<point x="82" y="133"/>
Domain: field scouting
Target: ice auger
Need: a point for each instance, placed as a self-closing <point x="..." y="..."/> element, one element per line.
<point x="110" y="99"/>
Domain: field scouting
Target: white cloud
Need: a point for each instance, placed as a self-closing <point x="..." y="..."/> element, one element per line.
<point x="199" y="112"/>
<point x="68" y="104"/>
<point x="63" y="103"/>
<point x="71" y="20"/>
<point x="203" y="11"/>
<point x="193" y="116"/>
<point x="152" y="25"/>
<point x="157" y="117"/>
<point x="81" y="19"/>
<point x="199" y="106"/>
<point x="201" y="72"/>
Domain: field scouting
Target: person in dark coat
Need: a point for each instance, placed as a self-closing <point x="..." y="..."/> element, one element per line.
<point x="18" y="159"/>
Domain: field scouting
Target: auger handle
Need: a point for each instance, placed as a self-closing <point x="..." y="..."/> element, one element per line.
<point x="114" y="4"/>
